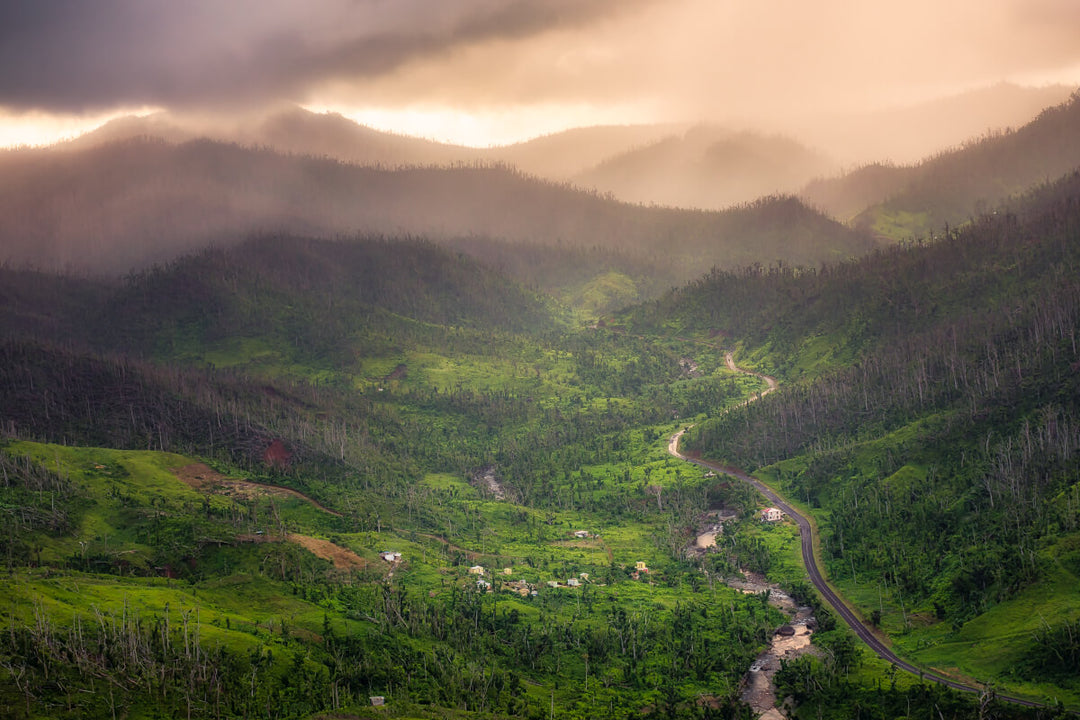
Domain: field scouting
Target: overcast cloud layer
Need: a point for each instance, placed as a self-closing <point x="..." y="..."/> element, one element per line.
<point x="73" y="55"/>
<point x="695" y="59"/>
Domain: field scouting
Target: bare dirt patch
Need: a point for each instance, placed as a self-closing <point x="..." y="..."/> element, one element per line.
<point x="203" y="477"/>
<point x="342" y="558"/>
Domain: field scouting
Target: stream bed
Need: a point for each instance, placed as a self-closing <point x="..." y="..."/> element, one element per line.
<point x="789" y="642"/>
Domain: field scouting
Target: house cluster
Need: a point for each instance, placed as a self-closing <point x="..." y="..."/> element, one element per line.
<point x="520" y="586"/>
<point x="570" y="582"/>
<point x="481" y="584"/>
<point x="771" y="514"/>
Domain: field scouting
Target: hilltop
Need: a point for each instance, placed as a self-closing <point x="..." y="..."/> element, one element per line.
<point x="707" y="167"/>
<point x="955" y="186"/>
<point x="129" y="204"/>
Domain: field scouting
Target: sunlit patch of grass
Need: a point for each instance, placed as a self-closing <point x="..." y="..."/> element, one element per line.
<point x="602" y="294"/>
<point x="991" y="646"/>
<point x="899" y="225"/>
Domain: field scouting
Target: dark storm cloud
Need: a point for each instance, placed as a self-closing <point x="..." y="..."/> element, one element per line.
<point x="73" y="55"/>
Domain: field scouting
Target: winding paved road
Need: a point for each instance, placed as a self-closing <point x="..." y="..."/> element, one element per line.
<point x="807" y="538"/>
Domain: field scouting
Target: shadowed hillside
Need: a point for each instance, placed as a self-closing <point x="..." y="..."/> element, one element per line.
<point x="297" y="288"/>
<point x="955" y="186"/>
<point x="124" y="205"/>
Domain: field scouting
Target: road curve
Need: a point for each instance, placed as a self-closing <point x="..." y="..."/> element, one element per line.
<point x="807" y="540"/>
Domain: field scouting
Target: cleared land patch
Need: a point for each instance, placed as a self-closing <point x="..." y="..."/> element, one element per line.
<point x="202" y="477"/>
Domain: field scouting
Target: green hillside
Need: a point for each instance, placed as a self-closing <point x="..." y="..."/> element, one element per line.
<point x="194" y="500"/>
<point x="202" y="460"/>
<point x="930" y="421"/>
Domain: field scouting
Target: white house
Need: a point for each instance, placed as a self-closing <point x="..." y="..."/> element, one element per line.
<point x="771" y="514"/>
<point x="573" y="582"/>
<point x="389" y="556"/>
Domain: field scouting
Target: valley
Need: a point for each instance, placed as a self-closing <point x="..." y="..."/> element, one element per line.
<point x="287" y="436"/>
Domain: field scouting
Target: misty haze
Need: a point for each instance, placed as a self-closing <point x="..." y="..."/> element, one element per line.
<point x="540" y="359"/>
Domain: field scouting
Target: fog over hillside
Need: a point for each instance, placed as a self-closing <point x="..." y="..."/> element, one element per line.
<point x="576" y="359"/>
<point x="678" y="165"/>
<point x="130" y="203"/>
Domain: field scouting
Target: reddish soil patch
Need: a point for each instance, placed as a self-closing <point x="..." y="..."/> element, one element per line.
<point x="342" y="558"/>
<point x="277" y="455"/>
<point x="202" y="477"/>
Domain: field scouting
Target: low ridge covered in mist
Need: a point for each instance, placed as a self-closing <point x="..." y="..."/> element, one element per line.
<point x="131" y="203"/>
<point x="904" y="202"/>
<point x="707" y="167"/>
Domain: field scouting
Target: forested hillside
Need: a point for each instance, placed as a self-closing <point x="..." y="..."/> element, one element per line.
<point x="954" y="187"/>
<point x="932" y="413"/>
<point x="125" y="205"/>
<point x="352" y="397"/>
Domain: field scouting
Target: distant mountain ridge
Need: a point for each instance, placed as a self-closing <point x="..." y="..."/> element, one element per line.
<point x="953" y="187"/>
<point x="707" y="167"/>
<point x="128" y="204"/>
<point x="556" y="156"/>
<point x="912" y="133"/>
<point x="670" y="164"/>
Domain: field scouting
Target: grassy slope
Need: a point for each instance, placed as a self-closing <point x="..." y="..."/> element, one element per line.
<point x="240" y="605"/>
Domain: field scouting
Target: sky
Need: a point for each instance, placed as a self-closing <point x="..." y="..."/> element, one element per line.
<point x="483" y="72"/>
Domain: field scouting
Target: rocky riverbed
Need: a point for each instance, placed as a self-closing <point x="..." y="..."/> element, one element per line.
<point x="790" y="641"/>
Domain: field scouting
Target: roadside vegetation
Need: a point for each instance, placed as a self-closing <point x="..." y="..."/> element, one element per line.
<point x="930" y="421"/>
